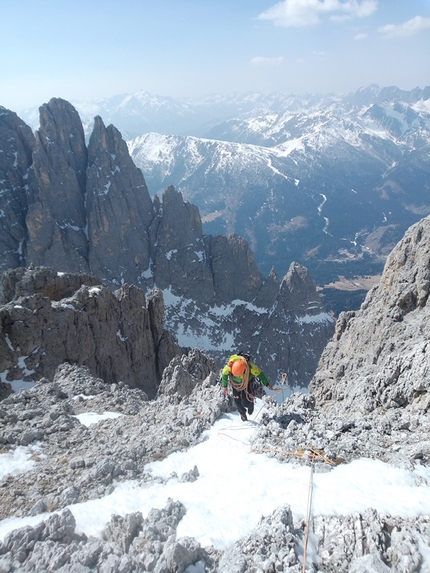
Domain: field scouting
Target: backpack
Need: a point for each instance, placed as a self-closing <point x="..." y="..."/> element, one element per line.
<point x="245" y="355"/>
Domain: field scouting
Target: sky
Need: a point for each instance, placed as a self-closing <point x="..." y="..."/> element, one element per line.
<point x="84" y="50"/>
<point x="216" y="515"/>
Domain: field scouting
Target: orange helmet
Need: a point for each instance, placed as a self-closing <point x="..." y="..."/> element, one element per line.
<point x="239" y="367"/>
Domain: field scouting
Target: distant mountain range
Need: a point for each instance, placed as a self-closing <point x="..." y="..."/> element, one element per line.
<point x="329" y="181"/>
<point x="333" y="183"/>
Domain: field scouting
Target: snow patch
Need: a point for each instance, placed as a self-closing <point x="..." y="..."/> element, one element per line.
<point x="322" y="317"/>
<point x="19" y="460"/>
<point x="90" y="418"/>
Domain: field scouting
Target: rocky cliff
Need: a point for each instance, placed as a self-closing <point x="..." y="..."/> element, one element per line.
<point x="17" y="144"/>
<point x="86" y="209"/>
<point x="50" y="318"/>
<point x="379" y="360"/>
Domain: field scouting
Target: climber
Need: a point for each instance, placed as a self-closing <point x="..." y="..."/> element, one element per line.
<point x="240" y="371"/>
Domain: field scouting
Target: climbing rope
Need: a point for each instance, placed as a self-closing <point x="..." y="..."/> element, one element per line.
<point x="308" y="511"/>
<point x="300" y="452"/>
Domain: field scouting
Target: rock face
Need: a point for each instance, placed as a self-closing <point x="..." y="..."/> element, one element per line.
<point x="50" y="318"/>
<point x="301" y="324"/>
<point x="56" y="218"/>
<point x="379" y="359"/>
<point x="88" y="211"/>
<point x="119" y="209"/>
<point x="17" y="144"/>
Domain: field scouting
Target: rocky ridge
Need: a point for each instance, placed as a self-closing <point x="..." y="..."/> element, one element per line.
<point x="92" y="458"/>
<point x="379" y="358"/>
<point x="86" y="210"/>
<point x="78" y="463"/>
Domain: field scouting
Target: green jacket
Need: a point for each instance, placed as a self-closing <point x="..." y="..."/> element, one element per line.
<point x="254" y="372"/>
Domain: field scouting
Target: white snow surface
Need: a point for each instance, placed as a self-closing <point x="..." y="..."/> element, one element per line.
<point x="236" y="486"/>
<point x="19" y="461"/>
<point x="90" y="418"/>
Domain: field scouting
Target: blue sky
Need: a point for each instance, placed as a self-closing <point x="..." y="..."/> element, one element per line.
<point x="82" y="50"/>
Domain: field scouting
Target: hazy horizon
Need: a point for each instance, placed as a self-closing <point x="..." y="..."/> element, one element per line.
<point x="83" y="51"/>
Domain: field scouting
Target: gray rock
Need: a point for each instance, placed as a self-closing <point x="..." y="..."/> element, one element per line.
<point x="272" y="546"/>
<point x="60" y="527"/>
<point x="190" y="476"/>
<point x="16" y="147"/>
<point x="5" y="390"/>
<point x="122" y="530"/>
<point x="56" y="218"/>
<point x="183" y="374"/>
<point x="111" y="333"/>
<point x="379" y="358"/>
<point x="178" y="555"/>
<point x="369" y="564"/>
<point x="296" y="320"/>
<point x="119" y="209"/>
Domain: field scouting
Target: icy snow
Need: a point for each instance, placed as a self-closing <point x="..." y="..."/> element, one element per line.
<point x="216" y="514"/>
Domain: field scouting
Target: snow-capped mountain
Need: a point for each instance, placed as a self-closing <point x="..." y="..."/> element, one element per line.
<point x="142" y="112"/>
<point x="333" y="185"/>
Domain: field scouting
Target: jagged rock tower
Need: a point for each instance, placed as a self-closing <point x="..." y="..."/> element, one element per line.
<point x="87" y="210"/>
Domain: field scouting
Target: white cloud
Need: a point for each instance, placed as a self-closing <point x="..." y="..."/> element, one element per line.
<point x="360" y="37"/>
<point x="409" y="28"/>
<point x="262" y="61"/>
<point x="290" y="13"/>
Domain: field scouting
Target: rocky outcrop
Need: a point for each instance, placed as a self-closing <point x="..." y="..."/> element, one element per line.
<point x="185" y="373"/>
<point x="50" y="318"/>
<point x="236" y="276"/>
<point x="129" y="543"/>
<point x="358" y="543"/>
<point x="178" y="257"/>
<point x="301" y="326"/>
<point x="5" y="390"/>
<point x="91" y="459"/>
<point x="379" y="359"/>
